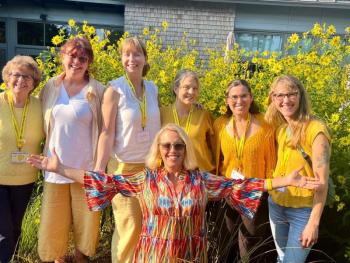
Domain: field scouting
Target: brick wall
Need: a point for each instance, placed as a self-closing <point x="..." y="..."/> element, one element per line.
<point x="206" y="23"/>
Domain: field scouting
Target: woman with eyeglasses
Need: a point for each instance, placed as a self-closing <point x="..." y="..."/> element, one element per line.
<point x="244" y="149"/>
<point x="131" y="120"/>
<point x="173" y="194"/>
<point x="72" y="119"/>
<point x="21" y="131"/>
<point x="303" y="140"/>
<point x="196" y="122"/>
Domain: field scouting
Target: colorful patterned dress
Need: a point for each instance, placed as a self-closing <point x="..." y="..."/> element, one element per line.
<point x="173" y="224"/>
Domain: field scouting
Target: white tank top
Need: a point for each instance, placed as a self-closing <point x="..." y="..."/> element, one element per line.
<point x="132" y="143"/>
<point x="71" y="134"/>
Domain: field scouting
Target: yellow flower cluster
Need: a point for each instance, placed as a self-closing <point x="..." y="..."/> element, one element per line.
<point x="319" y="65"/>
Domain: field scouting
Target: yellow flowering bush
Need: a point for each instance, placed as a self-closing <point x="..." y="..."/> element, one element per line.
<point x="319" y="58"/>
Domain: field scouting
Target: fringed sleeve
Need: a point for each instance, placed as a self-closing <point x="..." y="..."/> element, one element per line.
<point x="243" y="195"/>
<point x="100" y="188"/>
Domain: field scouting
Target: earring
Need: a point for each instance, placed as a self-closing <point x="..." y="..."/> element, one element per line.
<point x="159" y="162"/>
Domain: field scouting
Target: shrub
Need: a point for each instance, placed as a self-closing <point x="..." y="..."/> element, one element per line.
<point x="317" y="57"/>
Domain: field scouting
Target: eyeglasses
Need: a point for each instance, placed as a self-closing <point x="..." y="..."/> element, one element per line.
<point x="24" y="76"/>
<point x="188" y="88"/>
<point x="236" y="97"/>
<point x="176" y="146"/>
<point x="81" y="59"/>
<point x="291" y="95"/>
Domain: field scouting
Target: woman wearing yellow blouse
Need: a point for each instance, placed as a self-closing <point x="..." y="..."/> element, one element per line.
<point x="195" y="121"/>
<point x="294" y="213"/>
<point x="245" y="149"/>
<point x="21" y="131"/>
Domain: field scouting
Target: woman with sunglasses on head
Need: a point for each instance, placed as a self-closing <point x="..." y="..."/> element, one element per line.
<point x="196" y="122"/>
<point x="173" y="194"/>
<point x="131" y="120"/>
<point x="295" y="213"/>
<point x="244" y="149"/>
<point x="21" y="132"/>
<point x="72" y="118"/>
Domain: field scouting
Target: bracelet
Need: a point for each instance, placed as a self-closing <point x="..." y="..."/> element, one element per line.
<point x="269" y="184"/>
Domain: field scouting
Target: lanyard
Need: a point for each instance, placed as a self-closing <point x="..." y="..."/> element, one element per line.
<point x="19" y="131"/>
<point x="286" y="151"/>
<point x="239" y="142"/>
<point x="188" y="121"/>
<point x="142" y="103"/>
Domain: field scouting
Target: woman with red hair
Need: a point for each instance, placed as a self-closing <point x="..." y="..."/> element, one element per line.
<point x="72" y="120"/>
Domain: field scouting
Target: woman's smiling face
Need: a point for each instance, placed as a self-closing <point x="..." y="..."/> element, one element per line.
<point x="286" y="100"/>
<point x="188" y="91"/>
<point x="239" y="100"/>
<point x="133" y="60"/>
<point x="172" y="150"/>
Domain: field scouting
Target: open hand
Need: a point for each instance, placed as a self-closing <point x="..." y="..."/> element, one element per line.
<point x="297" y="180"/>
<point x="309" y="236"/>
<point x="50" y="164"/>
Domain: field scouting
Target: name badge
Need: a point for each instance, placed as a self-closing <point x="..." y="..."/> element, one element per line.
<point x="281" y="189"/>
<point x="143" y="136"/>
<point x="19" y="157"/>
<point x="237" y="175"/>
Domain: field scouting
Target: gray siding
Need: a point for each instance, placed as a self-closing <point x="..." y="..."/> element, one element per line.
<point x="207" y="23"/>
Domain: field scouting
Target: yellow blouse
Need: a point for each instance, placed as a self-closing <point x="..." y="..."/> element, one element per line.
<point x="19" y="173"/>
<point x="200" y="133"/>
<point x="292" y="196"/>
<point x="259" y="156"/>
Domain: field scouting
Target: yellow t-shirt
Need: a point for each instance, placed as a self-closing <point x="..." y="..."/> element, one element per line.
<point x="259" y="157"/>
<point x="23" y="173"/>
<point x="200" y="131"/>
<point x="293" y="196"/>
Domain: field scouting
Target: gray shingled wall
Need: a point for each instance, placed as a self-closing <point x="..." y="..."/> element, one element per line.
<point x="207" y="23"/>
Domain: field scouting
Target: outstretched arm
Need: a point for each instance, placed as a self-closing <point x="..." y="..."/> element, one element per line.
<point x="294" y="179"/>
<point x="100" y="188"/>
<point x="52" y="164"/>
<point x="244" y="195"/>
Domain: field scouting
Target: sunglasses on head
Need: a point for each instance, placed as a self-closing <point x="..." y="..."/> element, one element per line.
<point x="177" y="146"/>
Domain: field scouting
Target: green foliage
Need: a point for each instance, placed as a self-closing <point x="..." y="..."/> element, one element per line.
<point x="316" y="57"/>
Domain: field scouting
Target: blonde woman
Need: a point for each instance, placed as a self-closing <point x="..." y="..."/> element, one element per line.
<point x="72" y="119"/>
<point x="245" y="148"/>
<point x="173" y="195"/>
<point x="21" y="131"/>
<point x="131" y="120"/>
<point x="197" y="122"/>
<point x="295" y="213"/>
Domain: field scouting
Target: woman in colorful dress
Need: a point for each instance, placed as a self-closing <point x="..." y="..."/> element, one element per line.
<point x="21" y="132"/>
<point x="72" y="119"/>
<point x="196" y="122"/>
<point x="173" y="194"/>
<point x="244" y="149"/>
<point x="303" y="140"/>
<point x="131" y="120"/>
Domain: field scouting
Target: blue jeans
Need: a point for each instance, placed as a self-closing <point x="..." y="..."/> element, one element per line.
<point x="287" y="224"/>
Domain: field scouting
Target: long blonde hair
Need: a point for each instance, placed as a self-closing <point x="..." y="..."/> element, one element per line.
<point x="302" y="115"/>
<point x="153" y="159"/>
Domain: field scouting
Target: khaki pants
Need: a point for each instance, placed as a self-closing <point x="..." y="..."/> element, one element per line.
<point x="127" y="217"/>
<point x="62" y="205"/>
